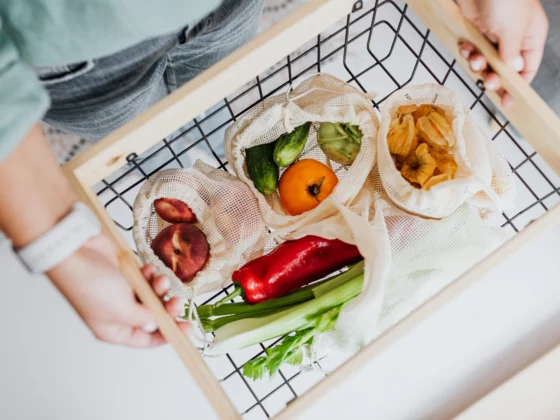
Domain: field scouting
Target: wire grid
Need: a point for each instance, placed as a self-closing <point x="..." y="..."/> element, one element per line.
<point x="380" y="48"/>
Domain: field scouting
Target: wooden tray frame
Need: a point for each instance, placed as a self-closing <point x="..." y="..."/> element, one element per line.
<point x="531" y="116"/>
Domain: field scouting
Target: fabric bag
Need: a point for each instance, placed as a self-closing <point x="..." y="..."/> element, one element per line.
<point x="227" y="213"/>
<point x="318" y="99"/>
<point x="484" y="177"/>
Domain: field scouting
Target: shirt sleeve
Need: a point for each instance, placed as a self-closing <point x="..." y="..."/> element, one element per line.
<point x="23" y="100"/>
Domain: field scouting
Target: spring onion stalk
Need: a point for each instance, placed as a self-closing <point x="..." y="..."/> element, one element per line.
<point x="298" y="296"/>
<point x="246" y="332"/>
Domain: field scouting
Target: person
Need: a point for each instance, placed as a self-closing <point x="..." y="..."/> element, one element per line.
<point x="89" y="67"/>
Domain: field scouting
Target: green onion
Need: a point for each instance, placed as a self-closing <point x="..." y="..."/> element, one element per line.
<point x="298" y="296"/>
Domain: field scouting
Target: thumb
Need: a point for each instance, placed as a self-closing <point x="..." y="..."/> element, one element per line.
<point x="510" y="49"/>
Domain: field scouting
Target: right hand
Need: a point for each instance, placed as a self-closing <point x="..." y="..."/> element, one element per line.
<point x="518" y="27"/>
<point x="91" y="281"/>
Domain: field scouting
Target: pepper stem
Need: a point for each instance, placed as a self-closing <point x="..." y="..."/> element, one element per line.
<point x="237" y="292"/>
<point x="315" y="189"/>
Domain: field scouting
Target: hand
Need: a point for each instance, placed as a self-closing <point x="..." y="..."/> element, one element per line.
<point x="91" y="281"/>
<point x="518" y="27"/>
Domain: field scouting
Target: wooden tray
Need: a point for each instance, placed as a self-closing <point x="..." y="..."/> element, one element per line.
<point x="280" y="54"/>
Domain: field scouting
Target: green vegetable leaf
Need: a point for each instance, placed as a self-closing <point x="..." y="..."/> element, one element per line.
<point x="291" y="349"/>
<point x="327" y="319"/>
<point x="287" y="350"/>
<point x="255" y="369"/>
<point x="296" y="357"/>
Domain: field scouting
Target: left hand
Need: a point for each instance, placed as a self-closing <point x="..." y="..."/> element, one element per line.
<point x="518" y="27"/>
<point x="91" y="281"/>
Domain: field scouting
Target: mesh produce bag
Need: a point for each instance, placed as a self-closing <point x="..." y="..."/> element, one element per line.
<point x="415" y="258"/>
<point x="318" y="99"/>
<point x="227" y="213"/>
<point x="484" y="177"/>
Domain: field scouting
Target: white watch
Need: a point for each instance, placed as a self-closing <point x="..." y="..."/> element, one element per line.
<point x="61" y="241"/>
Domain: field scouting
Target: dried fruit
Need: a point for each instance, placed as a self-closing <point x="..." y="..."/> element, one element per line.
<point x="429" y="163"/>
<point x="436" y="130"/>
<point x="443" y="125"/>
<point x="424" y="110"/>
<point x="446" y="164"/>
<point x="402" y="139"/>
<point x="407" y="109"/>
<point x="420" y="166"/>
<point x="437" y="179"/>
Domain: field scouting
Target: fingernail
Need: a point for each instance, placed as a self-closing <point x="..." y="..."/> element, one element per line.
<point x="465" y="53"/>
<point x="476" y="65"/>
<point x="150" y="327"/>
<point x="517" y="63"/>
<point x="166" y="282"/>
<point x="491" y="85"/>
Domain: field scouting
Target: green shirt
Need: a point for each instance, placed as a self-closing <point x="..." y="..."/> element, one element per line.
<point x="36" y="33"/>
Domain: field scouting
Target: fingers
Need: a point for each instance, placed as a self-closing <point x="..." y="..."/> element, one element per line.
<point x="148" y="271"/>
<point x="466" y="49"/>
<point x="174" y="307"/>
<point x="492" y="82"/>
<point x="144" y="333"/>
<point x="479" y="64"/>
<point x="141" y="339"/>
<point x="161" y="286"/>
<point x="507" y="100"/>
<point x="510" y="49"/>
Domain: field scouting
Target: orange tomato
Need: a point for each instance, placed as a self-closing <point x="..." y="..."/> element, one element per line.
<point x="304" y="185"/>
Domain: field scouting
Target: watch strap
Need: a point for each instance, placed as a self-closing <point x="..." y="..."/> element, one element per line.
<point x="61" y="241"/>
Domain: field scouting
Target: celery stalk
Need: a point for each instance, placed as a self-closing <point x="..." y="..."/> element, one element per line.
<point x="246" y="332"/>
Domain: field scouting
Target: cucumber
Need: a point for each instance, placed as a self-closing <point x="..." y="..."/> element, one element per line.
<point x="262" y="169"/>
<point x="289" y="146"/>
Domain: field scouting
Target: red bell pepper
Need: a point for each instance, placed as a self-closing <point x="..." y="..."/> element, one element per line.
<point x="290" y="266"/>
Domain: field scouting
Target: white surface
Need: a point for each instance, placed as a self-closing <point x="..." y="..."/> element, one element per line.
<point x="52" y="368"/>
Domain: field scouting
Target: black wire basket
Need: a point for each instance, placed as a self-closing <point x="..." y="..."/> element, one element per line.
<point x="380" y="48"/>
